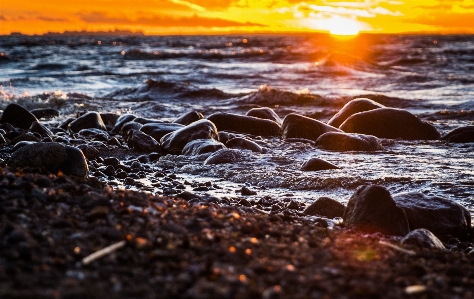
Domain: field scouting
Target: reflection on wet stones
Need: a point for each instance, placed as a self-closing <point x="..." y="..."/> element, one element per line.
<point x="298" y="126"/>
<point x="225" y="156"/>
<point x="316" y="164"/>
<point x="244" y="124"/>
<point x="353" y="107"/>
<point x="202" y="146"/>
<point x="337" y="141"/>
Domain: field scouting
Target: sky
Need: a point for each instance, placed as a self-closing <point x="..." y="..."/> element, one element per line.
<point x="231" y="16"/>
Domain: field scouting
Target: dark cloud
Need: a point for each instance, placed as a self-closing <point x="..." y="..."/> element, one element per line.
<point x="2" y="18"/>
<point x="49" y="19"/>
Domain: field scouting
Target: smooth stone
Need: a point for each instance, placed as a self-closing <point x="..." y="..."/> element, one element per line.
<point x="390" y="123"/>
<point x="226" y="136"/>
<point x="440" y="215"/>
<point x="22" y="144"/>
<point x="109" y="119"/>
<point x="460" y="135"/>
<point x="422" y="238"/>
<point x="337" y="141"/>
<point x="25" y="137"/>
<point x="202" y="146"/>
<point x="174" y="142"/>
<point x="45" y="113"/>
<point x="245" y="191"/>
<point x="316" y="164"/>
<point x="245" y="144"/>
<point x="299" y="126"/>
<point x="65" y="124"/>
<point x="53" y="156"/>
<point x="189" y="118"/>
<point x="158" y="130"/>
<point x="87" y="121"/>
<point x="140" y="141"/>
<point x="130" y="126"/>
<point x="37" y="127"/>
<point x="90" y="152"/>
<point x="95" y="133"/>
<point x="123" y="119"/>
<point x="353" y="107"/>
<point x="224" y="156"/>
<point x="244" y="124"/>
<point x="372" y="209"/>
<point x="18" y="117"/>
<point x="326" y="207"/>
<point x="186" y="195"/>
<point x="264" y="113"/>
<point x="144" y="121"/>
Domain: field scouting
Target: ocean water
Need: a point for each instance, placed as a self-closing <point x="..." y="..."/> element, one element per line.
<point x="311" y="74"/>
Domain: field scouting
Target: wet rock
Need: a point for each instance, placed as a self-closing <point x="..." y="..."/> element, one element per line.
<point x="353" y="107"/>
<point x="337" y="141"/>
<point x="64" y="125"/>
<point x="298" y="126"/>
<point x="439" y="215"/>
<point x="390" y="123"/>
<point x="225" y="156"/>
<point x="327" y="207"/>
<point x="226" y="136"/>
<point x="247" y="192"/>
<point x="52" y="156"/>
<point x="18" y="117"/>
<point x="244" y="124"/>
<point x="174" y="142"/>
<point x="87" y="121"/>
<point x="158" y="130"/>
<point x="121" y="121"/>
<point x="109" y="119"/>
<point x="140" y="141"/>
<point x="372" y="209"/>
<point x="22" y="144"/>
<point x="264" y="113"/>
<point x="422" y="238"/>
<point x="245" y="144"/>
<point x="186" y="195"/>
<point x="460" y="135"/>
<point x="189" y="118"/>
<point x="316" y="164"/>
<point x="130" y="126"/>
<point x="45" y="113"/>
<point x="144" y="121"/>
<point x="2" y="139"/>
<point x="95" y="133"/>
<point x="36" y="127"/>
<point x="202" y="146"/>
<point x="25" y="137"/>
<point x="90" y="152"/>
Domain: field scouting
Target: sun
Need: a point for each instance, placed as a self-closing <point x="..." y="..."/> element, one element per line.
<point x="343" y="26"/>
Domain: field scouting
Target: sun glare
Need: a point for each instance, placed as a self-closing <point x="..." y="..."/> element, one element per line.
<point x="343" y="27"/>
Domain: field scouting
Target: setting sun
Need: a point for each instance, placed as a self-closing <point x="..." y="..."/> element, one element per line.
<point x="342" y="26"/>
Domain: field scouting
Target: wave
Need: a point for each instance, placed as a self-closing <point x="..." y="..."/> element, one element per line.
<point x="49" y="67"/>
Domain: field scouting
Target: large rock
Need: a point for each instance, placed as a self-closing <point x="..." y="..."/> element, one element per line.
<point x="140" y="141"/>
<point x="390" y="123"/>
<point x="158" y="130"/>
<point x="439" y="215"/>
<point x="244" y="124"/>
<point x="123" y="119"/>
<point x="244" y="143"/>
<point x="422" y="238"/>
<point x="264" y="113"/>
<point x="18" y="117"/>
<point x="90" y="120"/>
<point x="52" y="156"/>
<point x="338" y="141"/>
<point x="316" y="164"/>
<point x="174" y="142"/>
<point x="189" y="118"/>
<point x="37" y="127"/>
<point x="327" y="207"/>
<point x="460" y="135"/>
<point x="202" y="146"/>
<point x="224" y="156"/>
<point x="298" y="126"/>
<point x="353" y="107"/>
<point x="372" y="209"/>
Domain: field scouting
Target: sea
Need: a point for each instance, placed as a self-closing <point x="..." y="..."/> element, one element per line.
<point x="312" y="74"/>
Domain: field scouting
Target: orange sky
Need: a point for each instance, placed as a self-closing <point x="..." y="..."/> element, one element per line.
<point x="225" y="16"/>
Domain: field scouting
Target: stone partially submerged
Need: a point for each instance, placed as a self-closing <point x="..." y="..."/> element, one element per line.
<point x="353" y="107"/>
<point x="17" y="116"/>
<point x="460" y="135"/>
<point x="202" y="146"/>
<point x="338" y="141"/>
<point x="244" y="124"/>
<point x="90" y="120"/>
<point x="299" y="126"/>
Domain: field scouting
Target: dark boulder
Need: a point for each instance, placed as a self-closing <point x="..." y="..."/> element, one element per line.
<point x="298" y="126"/>
<point x="422" y="238"/>
<point x="87" y="121"/>
<point x="224" y="156"/>
<point x="460" y="135"/>
<point x="130" y="126"/>
<point x="390" y="123"/>
<point x="316" y="164"/>
<point x="144" y="121"/>
<point x="39" y="128"/>
<point x="52" y="156"/>
<point x="189" y="118"/>
<point x="264" y="113"/>
<point x="439" y="215"/>
<point x="18" y="117"/>
<point x="95" y="133"/>
<point x="25" y="137"/>
<point x="353" y="107"/>
<point x="372" y="209"/>
<point x="64" y="125"/>
<point x="123" y="119"/>
<point x="338" y="141"/>
<point x="244" y="124"/>
<point x="45" y="113"/>
<point x="158" y="130"/>
<point x="140" y="141"/>
<point x="327" y="207"/>
<point x="89" y="151"/>
<point x="202" y="146"/>
<point x="174" y="142"/>
<point x="245" y="144"/>
<point x="109" y="119"/>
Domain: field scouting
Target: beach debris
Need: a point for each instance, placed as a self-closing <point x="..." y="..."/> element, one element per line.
<point x="103" y="252"/>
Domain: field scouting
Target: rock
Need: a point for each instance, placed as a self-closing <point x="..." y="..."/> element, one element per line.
<point x="264" y="113"/>
<point x="25" y="137"/>
<point x="244" y="124"/>
<point x="158" y="130"/>
<point x="36" y="127"/>
<point x="316" y="164"/>
<point x="64" y="125"/>
<point x="189" y="118"/>
<point x="460" y="135"/>
<point x="327" y="207"/>
<point x="174" y="142"/>
<point x="130" y="126"/>
<point x="226" y="136"/>
<point x="144" y="121"/>
<point x="140" y="141"/>
<point x="372" y="209"/>
<point x="51" y="156"/>
<point x="337" y="141"/>
<point x="225" y="156"/>
<point x="109" y="119"/>
<point x="439" y="215"/>
<point x="45" y="113"/>
<point x="90" y="152"/>
<point x="202" y="146"/>
<point x="353" y="107"/>
<point x="298" y="126"/>
<point x="95" y="133"/>
<point x="186" y="195"/>
<point x="247" y="192"/>
<point x="123" y="119"/>
<point x="245" y="144"/>
<point x="390" y="123"/>
<point x="22" y="144"/>
<point x="87" y="121"/>
<point x="18" y="117"/>
<point x="422" y="238"/>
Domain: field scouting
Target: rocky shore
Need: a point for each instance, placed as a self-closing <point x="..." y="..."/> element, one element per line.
<point x="71" y="228"/>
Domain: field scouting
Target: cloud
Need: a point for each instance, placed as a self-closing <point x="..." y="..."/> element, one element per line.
<point x="445" y="20"/>
<point x="212" y="4"/>
<point x="2" y="18"/>
<point x="49" y="19"/>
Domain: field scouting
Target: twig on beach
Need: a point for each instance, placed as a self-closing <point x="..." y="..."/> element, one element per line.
<point x="398" y="248"/>
<point x="103" y="252"/>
